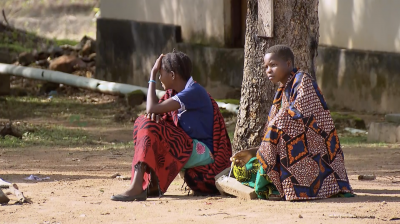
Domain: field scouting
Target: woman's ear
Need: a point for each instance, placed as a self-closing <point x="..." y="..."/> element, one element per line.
<point x="173" y="75"/>
<point x="289" y="64"/>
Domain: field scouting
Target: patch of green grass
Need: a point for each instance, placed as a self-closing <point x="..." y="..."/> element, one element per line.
<point x="358" y="140"/>
<point x="65" y="42"/>
<point x="61" y="121"/>
<point x="231" y="134"/>
<point x="121" y="145"/>
<point x="231" y="101"/>
<point x="19" y="41"/>
<point x="58" y="107"/>
<point x="48" y="135"/>
<point x="226" y="114"/>
<point x="15" y="47"/>
<point x="347" y="120"/>
<point x="337" y="115"/>
<point x="341" y="116"/>
<point x="352" y="140"/>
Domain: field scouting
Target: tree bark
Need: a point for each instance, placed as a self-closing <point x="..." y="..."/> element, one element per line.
<point x="296" y="25"/>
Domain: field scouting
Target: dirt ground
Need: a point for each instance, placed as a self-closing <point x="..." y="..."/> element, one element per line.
<point x="80" y="187"/>
<point x="80" y="184"/>
<point x="76" y="142"/>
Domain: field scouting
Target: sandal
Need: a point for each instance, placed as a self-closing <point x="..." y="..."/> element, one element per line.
<point x="140" y="197"/>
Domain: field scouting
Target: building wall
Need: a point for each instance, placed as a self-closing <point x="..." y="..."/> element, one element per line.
<point x="126" y="52"/>
<point x="357" y="63"/>
<point x="351" y="24"/>
<point x="363" y="81"/>
<point x="201" y="21"/>
<point x="371" y="25"/>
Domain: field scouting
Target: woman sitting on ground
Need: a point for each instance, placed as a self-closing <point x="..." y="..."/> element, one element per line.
<point x="183" y="131"/>
<point x="300" y="156"/>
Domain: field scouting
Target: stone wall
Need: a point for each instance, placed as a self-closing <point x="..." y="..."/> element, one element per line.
<point x="362" y="81"/>
<point x="127" y="50"/>
<point x="387" y="131"/>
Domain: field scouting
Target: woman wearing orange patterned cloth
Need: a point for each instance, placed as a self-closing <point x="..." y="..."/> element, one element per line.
<point x="300" y="156"/>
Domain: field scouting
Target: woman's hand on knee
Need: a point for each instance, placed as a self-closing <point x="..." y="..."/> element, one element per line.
<point x="154" y="117"/>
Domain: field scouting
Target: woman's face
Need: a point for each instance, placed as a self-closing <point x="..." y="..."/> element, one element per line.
<point x="165" y="79"/>
<point x="276" y="69"/>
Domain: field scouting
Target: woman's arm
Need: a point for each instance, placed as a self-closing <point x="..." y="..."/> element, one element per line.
<point x="152" y="105"/>
<point x="160" y="108"/>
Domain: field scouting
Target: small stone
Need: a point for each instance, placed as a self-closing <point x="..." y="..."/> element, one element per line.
<point x="115" y="175"/>
<point x="25" y="58"/>
<point x="67" y="64"/>
<point x="123" y="178"/>
<point x="135" y="98"/>
<point x="92" y="57"/>
<point x="53" y="52"/>
<point x="393" y="118"/>
<point x="89" y="47"/>
<point x="300" y="216"/>
<point x="366" y="177"/>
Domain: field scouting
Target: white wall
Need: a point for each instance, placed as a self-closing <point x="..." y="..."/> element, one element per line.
<point x="352" y="24"/>
<point x="360" y="24"/>
<point x="199" y="19"/>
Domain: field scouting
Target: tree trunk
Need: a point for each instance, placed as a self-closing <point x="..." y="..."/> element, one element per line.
<point x="296" y="25"/>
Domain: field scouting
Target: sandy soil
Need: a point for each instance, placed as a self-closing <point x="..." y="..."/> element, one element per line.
<point x="80" y="184"/>
<point x="80" y="187"/>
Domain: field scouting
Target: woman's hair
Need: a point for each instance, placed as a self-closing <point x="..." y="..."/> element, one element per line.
<point x="177" y="62"/>
<point x="283" y="52"/>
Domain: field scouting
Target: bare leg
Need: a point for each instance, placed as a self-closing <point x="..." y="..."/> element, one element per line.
<point x="135" y="191"/>
<point x="136" y="187"/>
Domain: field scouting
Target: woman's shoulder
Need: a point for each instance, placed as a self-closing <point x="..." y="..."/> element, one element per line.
<point x="194" y="94"/>
<point x="302" y="77"/>
<point x="196" y="88"/>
